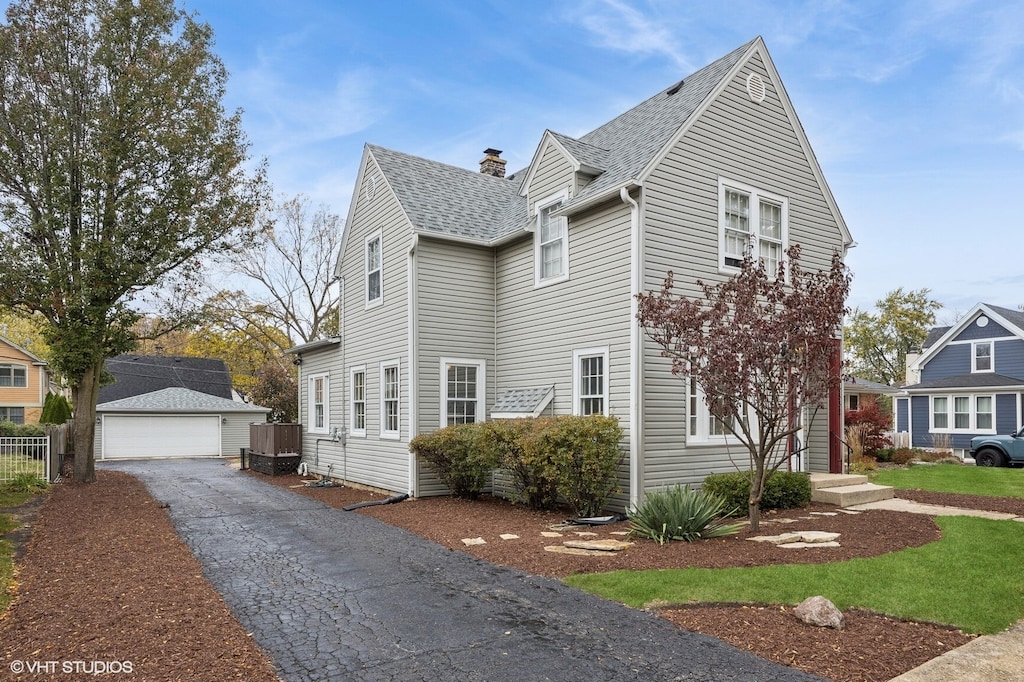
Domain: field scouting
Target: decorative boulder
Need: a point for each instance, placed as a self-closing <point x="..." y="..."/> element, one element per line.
<point x="820" y="612"/>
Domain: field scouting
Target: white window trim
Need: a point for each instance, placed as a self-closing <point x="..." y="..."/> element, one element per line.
<point x="372" y="303"/>
<point x="311" y="410"/>
<point x="537" y="264"/>
<point x="385" y="434"/>
<point x="991" y="356"/>
<point x="577" y="357"/>
<point x="703" y="435"/>
<point x="951" y="413"/>
<point x="352" y="372"/>
<point x="753" y="220"/>
<point x="481" y="386"/>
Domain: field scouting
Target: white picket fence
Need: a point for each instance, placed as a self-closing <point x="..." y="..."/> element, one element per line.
<point x="24" y="455"/>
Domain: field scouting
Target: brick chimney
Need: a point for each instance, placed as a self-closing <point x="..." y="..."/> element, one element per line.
<point x="492" y="163"/>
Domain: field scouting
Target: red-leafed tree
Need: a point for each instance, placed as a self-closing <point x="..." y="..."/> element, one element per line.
<point x="874" y="421"/>
<point x="757" y="345"/>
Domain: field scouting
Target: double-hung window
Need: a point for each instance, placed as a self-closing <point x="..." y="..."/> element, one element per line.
<point x="390" y="396"/>
<point x="703" y="427"/>
<point x="15" y="415"/>
<point x="374" y="269"/>
<point x="963" y="413"/>
<point x="590" y="381"/>
<point x="982" y="356"/>
<point x="13" y="376"/>
<point x="551" y="250"/>
<point x="462" y="384"/>
<point x="751" y="221"/>
<point x="357" y="386"/>
<point x="319" y="402"/>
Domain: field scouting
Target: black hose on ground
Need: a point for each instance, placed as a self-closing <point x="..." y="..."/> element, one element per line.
<point x="374" y="503"/>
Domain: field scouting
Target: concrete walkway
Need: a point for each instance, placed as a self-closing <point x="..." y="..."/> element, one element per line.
<point x="333" y="595"/>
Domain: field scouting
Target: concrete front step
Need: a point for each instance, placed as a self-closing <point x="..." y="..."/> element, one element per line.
<point x="836" y="480"/>
<point x="849" y="495"/>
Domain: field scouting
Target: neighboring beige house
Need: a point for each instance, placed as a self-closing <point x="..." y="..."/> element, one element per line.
<point x="467" y="294"/>
<point x="24" y="383"/>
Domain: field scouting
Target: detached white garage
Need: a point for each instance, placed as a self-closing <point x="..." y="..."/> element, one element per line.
<point x="174" y="422"/>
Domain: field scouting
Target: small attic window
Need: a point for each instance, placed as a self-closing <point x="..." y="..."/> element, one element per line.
<point x="755" y="88"/>
<point x="982" y="321"/>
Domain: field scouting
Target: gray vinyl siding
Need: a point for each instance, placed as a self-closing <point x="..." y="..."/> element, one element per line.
<point x="951" y="361"/>
<point x="744" y="142"/>
<point x="455" y="319"/>
<point x="539" y="327"/>
<point x="369" y="337"/>
<point x="554" y="173"/>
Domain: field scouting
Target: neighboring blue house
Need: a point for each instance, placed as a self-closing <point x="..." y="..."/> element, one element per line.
<point x="971" y="380"/>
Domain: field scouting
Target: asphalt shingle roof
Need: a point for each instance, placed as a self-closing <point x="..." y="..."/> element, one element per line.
<point x="450" y="201"/>
<point x="976" y="380"/>
<point x="178" y="400"/>
<point x="523" y="401"/>
<point x="140" y="374"/>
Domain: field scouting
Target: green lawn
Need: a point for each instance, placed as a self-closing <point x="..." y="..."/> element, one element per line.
<point x="969" y="579"/>
<point x="955" y="478"/>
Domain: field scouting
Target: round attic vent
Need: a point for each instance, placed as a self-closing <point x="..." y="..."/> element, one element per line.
<point x="982" y="321"/>
<point x="755" y="88"/>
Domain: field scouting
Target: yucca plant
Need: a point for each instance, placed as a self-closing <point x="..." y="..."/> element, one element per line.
<point x="679" y="513"/>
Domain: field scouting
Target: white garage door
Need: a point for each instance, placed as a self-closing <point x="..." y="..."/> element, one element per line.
<point x="160" y="436"/>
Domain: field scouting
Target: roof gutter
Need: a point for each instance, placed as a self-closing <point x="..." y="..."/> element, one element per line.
<point x="610" y="194"/>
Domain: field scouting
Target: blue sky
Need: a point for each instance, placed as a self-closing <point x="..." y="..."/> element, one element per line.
<point x="914" y="109"/>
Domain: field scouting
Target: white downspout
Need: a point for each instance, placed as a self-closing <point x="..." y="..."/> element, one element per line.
<point x="635" y="351"/>
<point x="413" y="378"/>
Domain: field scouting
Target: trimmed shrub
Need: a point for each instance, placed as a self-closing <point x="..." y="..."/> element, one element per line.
<point x="11" y="429"/>
<point x="458" y="456"/>
<point x="584" y="453"/>
<point x="681" y="514"/>
<point x="782" y="490"/>
<point x="884" y="454"/>
<point x="56" y="409"/>
<point x="903" y="456"/>
<point x="534" y="476"/>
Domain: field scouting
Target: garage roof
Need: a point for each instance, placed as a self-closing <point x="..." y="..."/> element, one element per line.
<point x="178" y="400"/>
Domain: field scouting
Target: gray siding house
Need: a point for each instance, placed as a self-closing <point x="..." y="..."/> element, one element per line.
<point x="971" y="381"/>
<point x="468" y="295"/>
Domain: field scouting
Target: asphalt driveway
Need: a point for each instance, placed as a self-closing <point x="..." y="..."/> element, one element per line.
<point x="334" y="595"/>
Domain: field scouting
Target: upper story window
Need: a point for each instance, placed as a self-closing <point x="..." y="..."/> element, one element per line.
<point x="389" y="400"/>
<point x="982" y="356"/>
<point x="463" y="388"/>
<point x="374" y="266"/>
<point x="751" y="221"/>
<point x="551" y="250"/>
<point x="590" y="381"/>
<point x="14" y="376"/>
<point x="357" y="386"/>
<point x="319" y="400"/>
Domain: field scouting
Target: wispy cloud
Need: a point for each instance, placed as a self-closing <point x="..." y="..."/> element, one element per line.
<point x="617" y="26"/>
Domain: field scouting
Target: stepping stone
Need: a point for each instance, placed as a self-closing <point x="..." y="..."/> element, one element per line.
<point x="550" y="534"/>
<point x="619" y="532"/>
<point x="559" y="549"/>
<point x="808" y="537"/>
<point x="585" y="534"/>
<point x="803" y="545"/>
<point x="851" y="512"/>
<point x="473" y="541"/>
<point x="824" y="513"/>
<point x="508" y="536"/>
<point x="608" y="545"/>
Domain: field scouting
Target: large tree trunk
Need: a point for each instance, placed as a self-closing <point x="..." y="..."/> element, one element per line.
<point x="85" y="394"/>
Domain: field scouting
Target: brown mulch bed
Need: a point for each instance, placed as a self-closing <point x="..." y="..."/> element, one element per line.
<point x="105" y="578"/>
